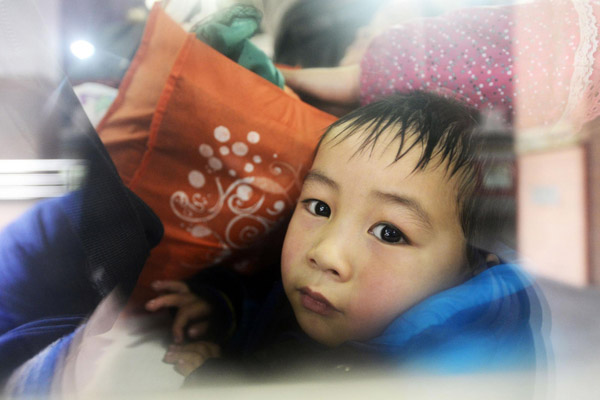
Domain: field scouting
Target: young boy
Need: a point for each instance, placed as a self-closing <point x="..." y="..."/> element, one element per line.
<point x="377" y="262"/>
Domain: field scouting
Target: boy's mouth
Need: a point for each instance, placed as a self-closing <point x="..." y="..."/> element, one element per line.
<point x="316" y="302"/>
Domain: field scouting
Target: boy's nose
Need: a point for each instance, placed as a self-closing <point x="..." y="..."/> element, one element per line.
<point x="331" y="255"/>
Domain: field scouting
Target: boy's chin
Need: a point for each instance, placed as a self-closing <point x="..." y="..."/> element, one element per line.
<point x="320" y="331"/>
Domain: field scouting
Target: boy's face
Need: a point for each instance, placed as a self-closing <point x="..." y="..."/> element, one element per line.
<point x="369" y="239"/>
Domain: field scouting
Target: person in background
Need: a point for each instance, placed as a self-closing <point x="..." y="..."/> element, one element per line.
<point x="530" y="65"/>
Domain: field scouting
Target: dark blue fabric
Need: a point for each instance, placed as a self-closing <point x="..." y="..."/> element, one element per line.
<point x="38" y="381"/>
<point x="63" y="256"/>
<point x="43" y="266"/>
<point x="27" y="340"/>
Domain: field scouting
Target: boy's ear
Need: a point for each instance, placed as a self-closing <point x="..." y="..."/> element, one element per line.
<point x="490" y="260"/>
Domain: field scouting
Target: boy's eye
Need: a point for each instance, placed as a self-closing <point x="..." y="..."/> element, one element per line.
<point x="388" y="233"/>
<point x="317" y="207"/>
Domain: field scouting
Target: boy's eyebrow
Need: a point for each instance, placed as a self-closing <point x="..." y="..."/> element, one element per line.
<point x="316" y="175"/>
<point x="407" y="202"/>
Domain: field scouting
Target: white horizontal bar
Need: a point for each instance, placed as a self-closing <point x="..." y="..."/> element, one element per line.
<point x="38" y="165"/>
<point x="32" y="179"/>
<point x="31" y="192"/>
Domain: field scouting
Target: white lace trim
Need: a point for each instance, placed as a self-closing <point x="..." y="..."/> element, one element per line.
<point x="583" y="63"/>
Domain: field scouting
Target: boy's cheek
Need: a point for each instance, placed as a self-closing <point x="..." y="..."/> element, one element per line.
<point x="291" y="247"/>
<point x="291" y="253"/>
<point x="297" y="237"/>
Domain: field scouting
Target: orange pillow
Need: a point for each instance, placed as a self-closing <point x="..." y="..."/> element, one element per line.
<point x="223" y="162"/>
<point x="126" y="126"/>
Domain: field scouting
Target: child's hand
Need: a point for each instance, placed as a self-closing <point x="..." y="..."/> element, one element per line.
<point x="189" y="357"/>
<point x="192" y="311"/>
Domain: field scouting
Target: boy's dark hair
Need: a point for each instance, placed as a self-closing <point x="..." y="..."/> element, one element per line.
<point x="443" y="126"/>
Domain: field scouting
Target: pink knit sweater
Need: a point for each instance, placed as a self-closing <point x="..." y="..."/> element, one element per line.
<point x="535" y="64"/>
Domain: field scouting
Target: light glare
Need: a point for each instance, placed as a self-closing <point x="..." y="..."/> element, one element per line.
<point x="82" y="49"/>
<point x="150" y="3"/>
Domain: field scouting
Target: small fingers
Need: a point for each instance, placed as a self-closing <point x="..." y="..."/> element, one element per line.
<point x="170" y="300"/>
<point x="205" y="348"/>
<point x="190" y="357"/>
<point x="198" y="329"/>
<point x="196" y="310"/>
<point x="185" y="361"/>
<point x="171" y="286"/>
<point x="185" y="367"/>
